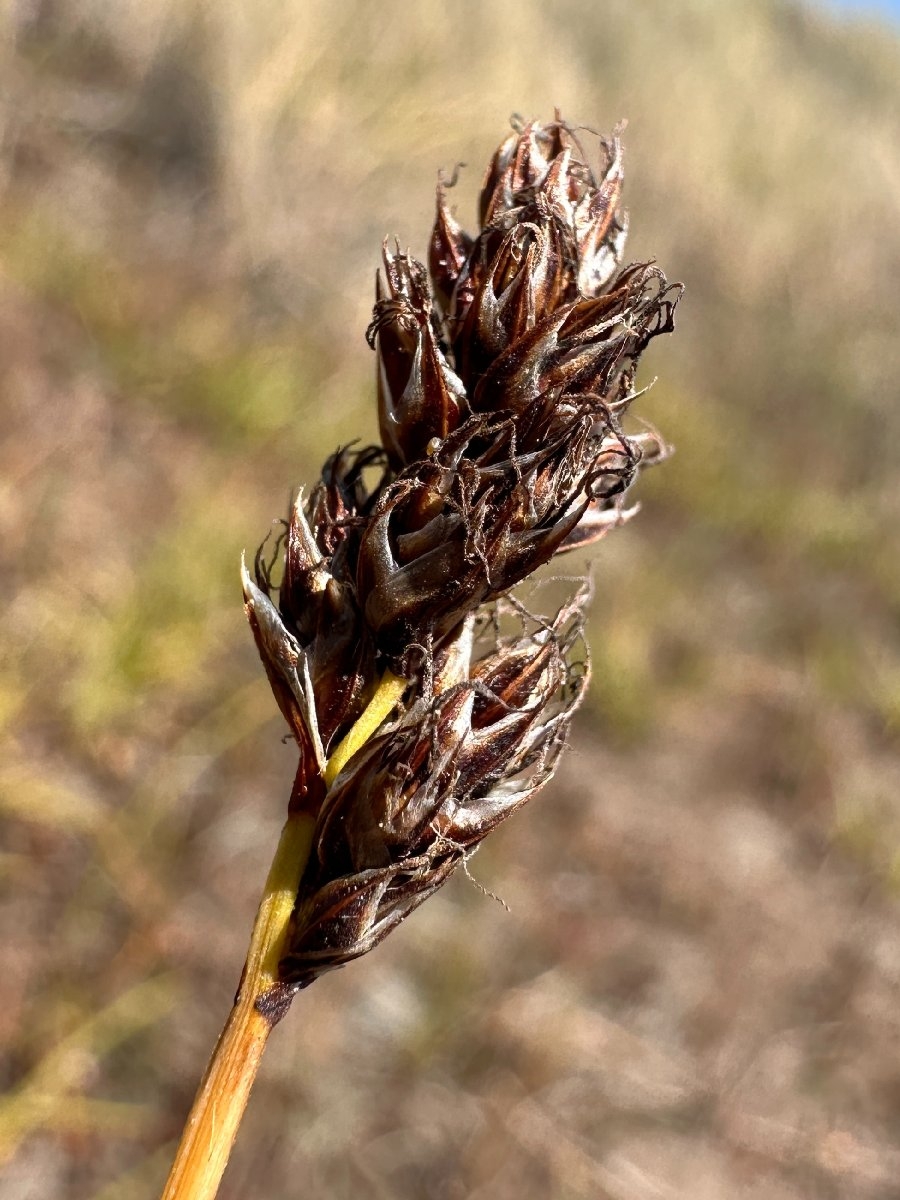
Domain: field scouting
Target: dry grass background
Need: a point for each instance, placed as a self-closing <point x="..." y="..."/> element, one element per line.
<point x="696" y="991"/>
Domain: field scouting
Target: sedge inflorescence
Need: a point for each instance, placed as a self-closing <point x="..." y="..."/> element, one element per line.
<point x="505" y="369"/>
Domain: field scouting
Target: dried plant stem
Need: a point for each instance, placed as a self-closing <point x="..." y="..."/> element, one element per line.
<point x="223" y="1093"/>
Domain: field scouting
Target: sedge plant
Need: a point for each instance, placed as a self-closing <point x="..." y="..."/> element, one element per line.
<point x="505" y="373"/>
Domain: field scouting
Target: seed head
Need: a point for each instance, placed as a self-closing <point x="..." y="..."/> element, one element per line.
<point x="504" y="373"/>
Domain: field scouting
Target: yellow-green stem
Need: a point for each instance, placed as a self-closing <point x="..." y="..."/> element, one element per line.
<point x="225" y="1088"/>
<point x="387" y="695"/>
<point x="223" y="1093"/>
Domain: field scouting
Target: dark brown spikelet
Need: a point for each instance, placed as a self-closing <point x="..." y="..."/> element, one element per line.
<point x="534" y="303"/>
<point x="500" y="394"/>
<point x="411" y="805"/>
<point x="495" y="501"/>
<point x="505" y="371"/>
<point x="317" y="649"/>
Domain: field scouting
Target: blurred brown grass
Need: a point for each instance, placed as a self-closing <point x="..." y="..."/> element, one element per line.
<point x="696" y="992"/>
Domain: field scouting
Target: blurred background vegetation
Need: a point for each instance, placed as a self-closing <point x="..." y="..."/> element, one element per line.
<point x="696" y="992"/>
